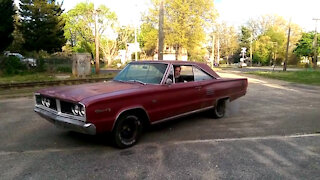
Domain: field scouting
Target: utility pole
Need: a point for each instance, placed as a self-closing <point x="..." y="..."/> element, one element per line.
<point x="96" y="41"/>
<point x="251" y="49"/>
<point x="315" y="59"/>
<point x="212" y="53"/>
<point x="287" y="53"/>
<point x="218" y="51"/>
<point x="135" y="43"/>
<point x="160" y="36"/>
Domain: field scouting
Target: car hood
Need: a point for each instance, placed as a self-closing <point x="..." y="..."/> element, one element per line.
<point x="79" y="92"/>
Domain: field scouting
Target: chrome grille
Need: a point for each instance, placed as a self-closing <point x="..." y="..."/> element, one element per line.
<point x="40" y="99"/>
<point x="61" y="108"/>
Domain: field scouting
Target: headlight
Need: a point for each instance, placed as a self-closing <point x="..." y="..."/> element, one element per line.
<point x="75" y="109"/>
<point x="82" y="111"/>
<point x="78" y="110"/>
<point x="45" y="102"/>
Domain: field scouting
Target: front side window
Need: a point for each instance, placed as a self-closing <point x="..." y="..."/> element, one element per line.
<point x="183" y="74"/>
<point x="150" y="73"/>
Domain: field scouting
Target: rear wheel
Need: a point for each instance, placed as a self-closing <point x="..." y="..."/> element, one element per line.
<point x="220" y="109"/>
<point x="127" y="131"/>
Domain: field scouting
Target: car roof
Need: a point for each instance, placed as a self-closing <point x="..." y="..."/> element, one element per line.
<point x="203" y="66"/>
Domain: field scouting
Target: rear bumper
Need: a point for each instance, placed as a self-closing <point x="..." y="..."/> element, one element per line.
<point x="65" y="122"/>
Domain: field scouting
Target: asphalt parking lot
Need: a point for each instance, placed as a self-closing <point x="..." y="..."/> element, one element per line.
<point x="271" y="133"/>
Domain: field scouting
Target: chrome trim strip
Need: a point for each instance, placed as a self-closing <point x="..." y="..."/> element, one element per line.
<point x="85" y="112"/>
<point x="78" y="118"/>
<point x="66" y="123"/>
<point x="35" y="98"/>
<point x="166" y="73"/>
<point x="182" y="115"/>
<point x="58" y="106"/>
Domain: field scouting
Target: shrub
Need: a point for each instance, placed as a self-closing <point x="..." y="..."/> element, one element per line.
<point x="64" y="69"/>
<point x="40" y="65"/>
<point x="12" y="65"/>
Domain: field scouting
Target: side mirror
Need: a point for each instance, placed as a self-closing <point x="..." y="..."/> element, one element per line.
<point x="168" y="81"/>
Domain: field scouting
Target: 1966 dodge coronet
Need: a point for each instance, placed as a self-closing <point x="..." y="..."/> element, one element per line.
<point x="143" y="93"/>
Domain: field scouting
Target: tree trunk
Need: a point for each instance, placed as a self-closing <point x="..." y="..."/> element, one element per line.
<point x="109" y="61"/>
<point x="177" y="52"/>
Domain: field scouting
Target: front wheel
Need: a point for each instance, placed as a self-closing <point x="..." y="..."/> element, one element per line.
<point x="127" y="131"/>
<point x="220" y="109"/>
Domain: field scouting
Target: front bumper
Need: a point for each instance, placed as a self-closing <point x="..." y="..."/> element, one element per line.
<point x="65" y="122"/>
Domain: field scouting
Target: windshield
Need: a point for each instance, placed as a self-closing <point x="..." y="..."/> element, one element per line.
<point x="150" y="73"/>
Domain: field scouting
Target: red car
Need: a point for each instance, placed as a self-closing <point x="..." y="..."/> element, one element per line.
<point x="144" y="92"/>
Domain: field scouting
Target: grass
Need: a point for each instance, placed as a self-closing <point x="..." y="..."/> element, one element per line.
<point x="28" y="91"/>
<point x="18" y="92"/>
<point x="302" y="77"/>
<point x="43" y="77"/>
<point x="27" y="78"/>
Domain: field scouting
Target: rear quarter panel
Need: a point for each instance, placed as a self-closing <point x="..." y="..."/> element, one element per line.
<point x="216" y="89"/>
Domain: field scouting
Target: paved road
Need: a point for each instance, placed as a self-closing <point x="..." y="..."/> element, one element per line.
<point x="271" y="133"/>
<point x="262" y="68"/>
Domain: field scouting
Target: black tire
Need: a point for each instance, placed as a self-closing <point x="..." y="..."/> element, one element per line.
<point x="127" y="131"/>
<point x="220" y="109"/>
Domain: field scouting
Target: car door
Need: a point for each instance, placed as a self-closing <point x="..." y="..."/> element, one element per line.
<point x="177" y="98"/>
<point x="207" y="87"/>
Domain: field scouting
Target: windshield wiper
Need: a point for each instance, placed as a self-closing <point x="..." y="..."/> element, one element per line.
<point x="119" y="80"/>
<point x="137" y="81"/>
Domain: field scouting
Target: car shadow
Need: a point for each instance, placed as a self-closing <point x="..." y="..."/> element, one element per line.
<point x="105" y="139"/>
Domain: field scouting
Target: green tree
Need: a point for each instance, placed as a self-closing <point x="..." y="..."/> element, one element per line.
<point x="185" y="22"/>
<point x="259" y="27"/>
<point x="269" y="48"/>
<point x="263" y="23"/>
<point x="228" y="40"/>
<point x="80" y="28"/>
<point x="148" y="39"/>
<point x="304" y="47"/>
<point x="6" y="23"/>
<point x="245" y="37"/>
<point x="262" y="49"/>
<point x="278" y="44"/>
<point x="42" y="25"/>
<point x="17" y="43"/>
<point x="125" y="35"/>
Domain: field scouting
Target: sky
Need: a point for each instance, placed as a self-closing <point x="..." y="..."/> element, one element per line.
<point x="301" y="12"/>
<point x="233" y="12"/>
<point x="128" y="11"/>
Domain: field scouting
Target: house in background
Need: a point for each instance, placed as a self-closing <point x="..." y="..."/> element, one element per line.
<point x="169" y="53"/>
<point x="126" y="54"/>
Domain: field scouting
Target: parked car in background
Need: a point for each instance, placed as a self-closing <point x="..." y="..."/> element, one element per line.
<point x="143" y="93"/>
<point x="31" y="62"/>
<point x="242" y="63"/>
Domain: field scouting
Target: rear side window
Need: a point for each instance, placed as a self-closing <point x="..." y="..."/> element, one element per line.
<point x="199" y="75"/>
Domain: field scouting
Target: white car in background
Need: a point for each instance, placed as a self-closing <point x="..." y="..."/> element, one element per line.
<point x="242" y="63"/>
<point x="31" y="62"/>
